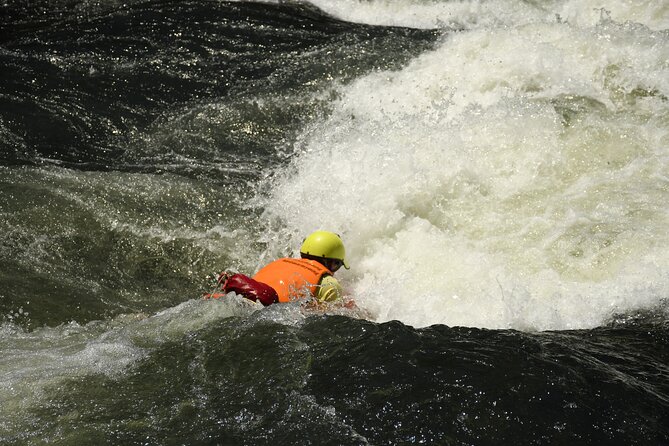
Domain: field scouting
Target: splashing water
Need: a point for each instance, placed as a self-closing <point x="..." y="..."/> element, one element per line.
<point x="514" y="177"/>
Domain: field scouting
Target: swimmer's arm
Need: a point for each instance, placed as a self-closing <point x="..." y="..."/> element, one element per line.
<point x="329" y="290"/>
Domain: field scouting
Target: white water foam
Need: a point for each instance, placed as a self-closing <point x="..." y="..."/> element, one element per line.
<point x="469" y="14"/>
<point x="431" y="14"/>
<point x="517" y="176"/>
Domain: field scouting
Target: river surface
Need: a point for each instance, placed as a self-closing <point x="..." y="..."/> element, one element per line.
<point x="498" y="170"/>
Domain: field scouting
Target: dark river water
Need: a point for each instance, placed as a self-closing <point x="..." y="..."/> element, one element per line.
<point x="499" y="172"/>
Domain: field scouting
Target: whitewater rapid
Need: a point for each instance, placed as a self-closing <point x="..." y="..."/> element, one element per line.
<point x="514" y="177"/>
<point x="486" y="14"/>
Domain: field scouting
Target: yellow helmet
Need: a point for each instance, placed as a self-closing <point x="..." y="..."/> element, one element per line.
<point x="325" y="244"/>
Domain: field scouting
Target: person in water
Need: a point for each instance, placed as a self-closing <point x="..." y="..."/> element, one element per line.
<point x="322" y="253"/>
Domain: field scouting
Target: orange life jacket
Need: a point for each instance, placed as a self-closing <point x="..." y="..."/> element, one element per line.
<point x="290" y="278"/>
